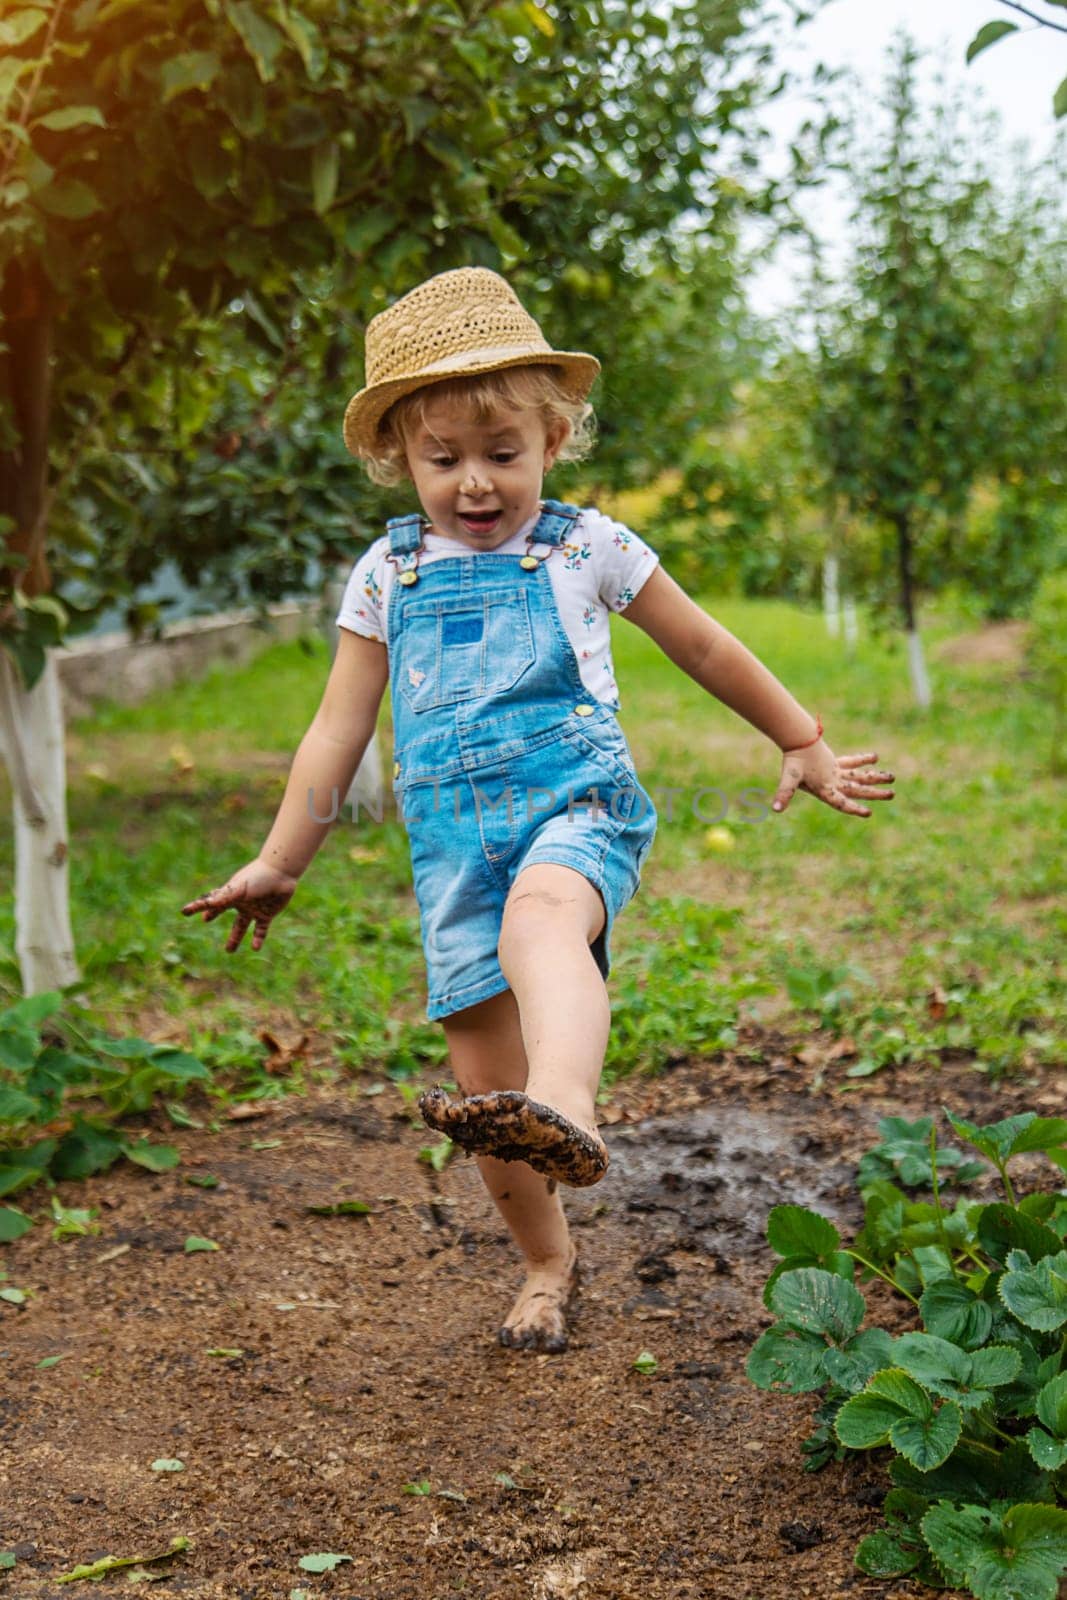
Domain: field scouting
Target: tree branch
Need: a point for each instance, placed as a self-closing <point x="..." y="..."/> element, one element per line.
<point x="1042" y="22"/>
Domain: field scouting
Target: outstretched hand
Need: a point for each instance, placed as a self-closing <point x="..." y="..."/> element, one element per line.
<point x="836" y="780"/>
<point x="256" y="892"/>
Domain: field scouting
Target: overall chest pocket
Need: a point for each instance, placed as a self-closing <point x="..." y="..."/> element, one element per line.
<point x="457" y="650"/>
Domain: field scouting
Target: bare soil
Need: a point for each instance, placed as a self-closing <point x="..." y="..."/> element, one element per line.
<point x="368" y="1360"/>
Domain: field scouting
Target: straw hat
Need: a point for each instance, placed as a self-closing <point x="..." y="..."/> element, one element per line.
<point x="452" y="326"/>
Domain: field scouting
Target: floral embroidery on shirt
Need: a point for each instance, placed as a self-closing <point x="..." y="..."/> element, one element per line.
<point x="586" y="654"/>
<point x="575" y="554"/>
<point x="372" y="588"/>
<point x="589" y="615"/>
<point x="623" y="538"/>
<point x="625" y="596"/>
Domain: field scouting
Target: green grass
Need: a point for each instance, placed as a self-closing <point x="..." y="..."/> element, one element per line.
<point x="813" y="918"/>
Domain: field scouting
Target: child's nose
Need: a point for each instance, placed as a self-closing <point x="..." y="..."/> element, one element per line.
<point x="475" y="483"/>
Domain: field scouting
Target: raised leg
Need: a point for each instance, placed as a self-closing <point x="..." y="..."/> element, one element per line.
<point x="487" y="1054"/>
<point x="550" y="918"/>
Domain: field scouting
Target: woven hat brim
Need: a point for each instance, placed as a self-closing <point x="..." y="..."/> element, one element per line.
<point x="366" y="409"/>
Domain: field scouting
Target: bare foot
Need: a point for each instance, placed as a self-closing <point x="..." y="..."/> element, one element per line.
<point x="538" y="1319"/>
<point x="512" y="1127"/>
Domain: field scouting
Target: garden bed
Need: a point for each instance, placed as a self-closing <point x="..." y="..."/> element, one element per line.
<point x="369" y="1412"/>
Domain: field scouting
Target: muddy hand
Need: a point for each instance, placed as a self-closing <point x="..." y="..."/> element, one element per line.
<point x="257" y="893"/>
<point x="836" y="780"/>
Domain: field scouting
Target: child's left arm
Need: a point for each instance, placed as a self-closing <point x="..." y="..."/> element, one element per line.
<point x="721" y="664"/>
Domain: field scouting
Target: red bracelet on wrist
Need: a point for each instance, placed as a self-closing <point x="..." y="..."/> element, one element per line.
<point x="807" y="742"/>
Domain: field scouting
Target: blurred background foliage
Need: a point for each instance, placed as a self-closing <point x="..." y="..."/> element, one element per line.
<point x="204" y="202"/>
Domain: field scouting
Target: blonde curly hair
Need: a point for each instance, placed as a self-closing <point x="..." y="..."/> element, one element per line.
<point x="478" y="398"/>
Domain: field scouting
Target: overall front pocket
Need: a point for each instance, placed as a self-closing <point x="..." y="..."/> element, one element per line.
<point x="456" y="650"/>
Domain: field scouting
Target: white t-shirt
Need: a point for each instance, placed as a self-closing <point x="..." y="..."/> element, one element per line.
<point x="599" y="568"/>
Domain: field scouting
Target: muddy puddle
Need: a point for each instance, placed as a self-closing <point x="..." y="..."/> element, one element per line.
<point x="710" y="1177"/>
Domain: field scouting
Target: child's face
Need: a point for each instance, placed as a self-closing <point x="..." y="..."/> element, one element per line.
<point x="479" y="482"/>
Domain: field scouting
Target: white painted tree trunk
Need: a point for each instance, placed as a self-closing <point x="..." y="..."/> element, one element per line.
<point x="831" y="599"/>
<point x="851" y="622"/>
<point x="920" y="683"/>
<point x="32" y="744"/>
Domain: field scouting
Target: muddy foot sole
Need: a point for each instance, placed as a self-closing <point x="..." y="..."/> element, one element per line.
<point x="512" y="1127"/>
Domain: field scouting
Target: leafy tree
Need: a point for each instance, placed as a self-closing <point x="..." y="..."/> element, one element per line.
<point x="162" y="160"/>
<point x="909" y="353"/>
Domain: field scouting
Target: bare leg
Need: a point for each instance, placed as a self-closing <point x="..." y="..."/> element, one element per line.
<point x="550" y="918"/>
<point x="487" y="1053"/>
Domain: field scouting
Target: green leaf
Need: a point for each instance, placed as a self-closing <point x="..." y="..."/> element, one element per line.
<point x="931" y="1360"/>
<point x="260" y="38"/>
<point x="84" y="1150"/>
<point x="51" y="1361"/>
<point x="864" y="1421"/>
<point x="7" y="1560"/>
<point x="1020" y="1556"/>
<point x="852" y="1366"/>
<point x="894" y="1409"/>
<point x="819" y="1302"/>
<point x="13" y="1224"/>
<point x="342" y="1208"/>
<point x="1059" y="100"/>
<point x="195" y="1243"/>
<point x="952" y="1311"/>
<point x="1052" y="1406"/>
<point x="1036" y="1295"/>
<point x="646" y="1363"/>
<point x="795" y="1231"/>
<point x="19" y="1169"/>
<point x="13" y="1297"/>
<point x="106" y="1564"/>
<point x="71" y="117"/>
<point x="156" y="1157"/>
<point x="15" y="1106"/>
<point x="168" y="1464"/>
<point x="987" y="35"/>
<point x="196" y="69"/>
<point x="1002" y="1228"/>
<point x="789" y="1359"/>
<point x="22" y="25"/>
<point x="438" y="1156"/>
<point x="325" y="160"/>
<point x="928" y="1441"/>
<point x="883" y="1556"/>
<point x="1049" y="1454"/>
<point x="539" y="17"/>
<point x="322" y="1563"/>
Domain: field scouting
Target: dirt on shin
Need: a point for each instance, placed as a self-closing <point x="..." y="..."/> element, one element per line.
<point x="332" y="1384"/>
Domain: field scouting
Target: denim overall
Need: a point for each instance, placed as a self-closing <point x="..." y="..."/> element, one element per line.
<point x="503" y="757"/>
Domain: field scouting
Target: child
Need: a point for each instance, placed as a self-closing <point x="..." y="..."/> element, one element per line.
<point x="487" y="615"/>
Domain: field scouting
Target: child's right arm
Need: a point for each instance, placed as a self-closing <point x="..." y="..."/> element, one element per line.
<point x="322" y="770"/>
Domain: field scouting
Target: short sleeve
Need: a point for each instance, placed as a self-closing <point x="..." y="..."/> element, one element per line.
<point x="624" y="562"/>
<point x="361" y="606"/>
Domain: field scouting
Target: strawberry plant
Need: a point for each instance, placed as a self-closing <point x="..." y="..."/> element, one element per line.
<point x="973" y="1402"/>
<point x="61" y="1090"/>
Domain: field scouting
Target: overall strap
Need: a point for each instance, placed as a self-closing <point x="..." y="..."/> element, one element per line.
<point x="405" y="534"/>
<point x="556" y="522"/>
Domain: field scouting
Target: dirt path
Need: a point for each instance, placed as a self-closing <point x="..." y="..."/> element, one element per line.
<point x="368" y="1363"/>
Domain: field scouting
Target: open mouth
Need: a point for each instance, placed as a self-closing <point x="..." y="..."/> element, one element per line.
<point x="480" y="521"/>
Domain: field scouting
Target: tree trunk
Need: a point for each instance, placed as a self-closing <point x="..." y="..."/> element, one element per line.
<point x="831" y="600"/>
<point x="32" y="743"/>
<point x="920" y="682"/>
<point x="31" y="720"/>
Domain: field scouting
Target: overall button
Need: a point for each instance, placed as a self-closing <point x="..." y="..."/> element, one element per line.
<point x="583" y="711"/>
<point x="529" y="563"/>
<point x="408" y="578"/>
<point x="396" y="769"/>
